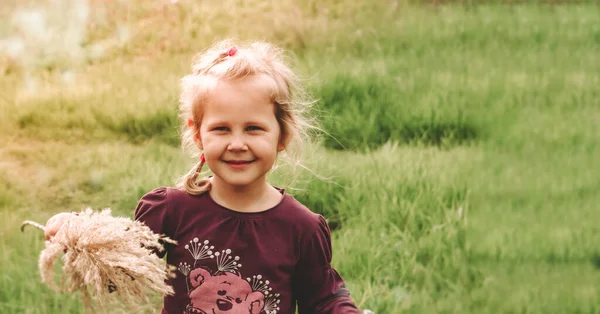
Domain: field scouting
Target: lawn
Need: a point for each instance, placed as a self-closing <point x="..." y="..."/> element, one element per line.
<point x="458" y="166"/>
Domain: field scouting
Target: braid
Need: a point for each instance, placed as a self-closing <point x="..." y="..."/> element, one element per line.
<point x="192" y="185"/>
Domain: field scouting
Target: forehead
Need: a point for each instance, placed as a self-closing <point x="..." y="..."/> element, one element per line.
<point x="240" y="100"/>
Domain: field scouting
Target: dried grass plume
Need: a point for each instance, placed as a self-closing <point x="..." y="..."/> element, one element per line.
<point x="104" y="254"/>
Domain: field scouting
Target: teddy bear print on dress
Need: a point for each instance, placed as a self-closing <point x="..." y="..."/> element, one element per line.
<point x="224" y="291"/>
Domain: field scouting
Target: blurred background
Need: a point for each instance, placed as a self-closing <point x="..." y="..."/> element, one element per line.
<point x="458" y="170"/>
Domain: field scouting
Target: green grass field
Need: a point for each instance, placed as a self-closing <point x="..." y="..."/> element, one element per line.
<point x="463" y="149"/>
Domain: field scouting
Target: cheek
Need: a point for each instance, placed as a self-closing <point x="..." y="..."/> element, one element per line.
<point x="268" y="146"/>
<point x="206" y="139"/>
<point x="213" y="148"/>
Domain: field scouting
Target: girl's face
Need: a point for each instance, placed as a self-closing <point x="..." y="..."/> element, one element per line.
<point x="239" y="133"/>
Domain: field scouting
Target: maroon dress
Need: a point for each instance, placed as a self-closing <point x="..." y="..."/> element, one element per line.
<point x="233" y="262"/>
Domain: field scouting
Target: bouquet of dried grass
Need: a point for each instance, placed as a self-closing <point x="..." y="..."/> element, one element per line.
<point x="103" y="254"/>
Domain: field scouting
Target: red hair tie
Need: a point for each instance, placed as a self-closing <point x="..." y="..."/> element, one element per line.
<point x="231" y="52"/>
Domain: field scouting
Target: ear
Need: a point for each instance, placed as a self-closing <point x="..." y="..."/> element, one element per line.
<point x="196" y="129"/>
<point x="284" y="141"/>
<point x="198" y="276"/>
<point x="257" y="302"/>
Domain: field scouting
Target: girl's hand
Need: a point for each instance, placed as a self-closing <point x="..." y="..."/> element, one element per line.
<point x="54" y="224"/>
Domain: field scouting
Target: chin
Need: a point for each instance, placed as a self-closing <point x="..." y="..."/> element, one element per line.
<point x="240" y="182"/>
<point x="241" y="179"/>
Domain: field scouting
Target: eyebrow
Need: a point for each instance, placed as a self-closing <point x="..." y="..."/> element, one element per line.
<point x="256" y="123"/>
<point x="222" y="122"/>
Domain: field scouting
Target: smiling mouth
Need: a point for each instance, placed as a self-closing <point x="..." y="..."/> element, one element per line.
<point x="224" y="305"/>
<point x="238" y="162"/>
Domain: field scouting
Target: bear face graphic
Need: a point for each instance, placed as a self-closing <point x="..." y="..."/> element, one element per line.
<point x="224" y="293"/>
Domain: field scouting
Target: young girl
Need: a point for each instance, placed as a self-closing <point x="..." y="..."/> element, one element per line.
<point x="244" y="246"/>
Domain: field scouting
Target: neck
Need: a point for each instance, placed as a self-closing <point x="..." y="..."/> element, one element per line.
<point x="252" y="198"/>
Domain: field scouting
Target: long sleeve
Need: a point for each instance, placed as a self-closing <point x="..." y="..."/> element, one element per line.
<point x="152" y="211"/>
<point x="317" y="286"/>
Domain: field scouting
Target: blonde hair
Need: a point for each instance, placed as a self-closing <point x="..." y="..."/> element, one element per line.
<point x="222" y="62"/>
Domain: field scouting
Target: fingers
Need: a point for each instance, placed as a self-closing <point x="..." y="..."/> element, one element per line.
<point x="54" y="224"/>
<point x="47" y="235"/>
<point x="49" y="232"/>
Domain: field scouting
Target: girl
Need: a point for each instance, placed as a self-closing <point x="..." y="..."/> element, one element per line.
<point x="244" y="246"/>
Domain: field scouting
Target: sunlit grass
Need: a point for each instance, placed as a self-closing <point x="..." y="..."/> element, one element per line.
<point x="459" y="161"/>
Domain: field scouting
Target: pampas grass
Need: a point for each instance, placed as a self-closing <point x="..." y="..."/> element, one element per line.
<point x="104" y="254"/>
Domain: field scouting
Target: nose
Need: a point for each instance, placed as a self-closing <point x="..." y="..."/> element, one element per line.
<point x="237" y="143"/>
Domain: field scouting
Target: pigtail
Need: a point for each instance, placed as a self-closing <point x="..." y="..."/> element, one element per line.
<point x="203" y="67"/>
<point x="191" y="184"/>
